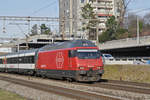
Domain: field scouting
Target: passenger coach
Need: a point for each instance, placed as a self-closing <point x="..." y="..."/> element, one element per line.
<point x="22" y="62"/>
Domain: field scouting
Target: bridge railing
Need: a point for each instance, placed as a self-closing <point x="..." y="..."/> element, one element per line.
<point x="128" y="60"/>
<point x="128" y="42"/>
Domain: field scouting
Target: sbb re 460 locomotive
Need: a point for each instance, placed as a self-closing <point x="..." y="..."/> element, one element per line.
<point x="79" y="60"/>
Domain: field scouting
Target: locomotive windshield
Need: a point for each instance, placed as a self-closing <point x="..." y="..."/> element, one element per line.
<point x="88" y="54"/>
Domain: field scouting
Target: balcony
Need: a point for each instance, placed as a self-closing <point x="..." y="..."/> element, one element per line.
<point x="104" y="12"/>
<point x="110" y="6"/>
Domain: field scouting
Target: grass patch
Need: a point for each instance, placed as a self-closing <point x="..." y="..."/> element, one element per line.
<point x="5" y="95"/>
<point x="134" y="73"/>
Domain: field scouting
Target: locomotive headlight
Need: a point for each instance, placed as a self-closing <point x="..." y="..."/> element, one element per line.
<point x="100" y="68"/>
<point x="81" y="68"/>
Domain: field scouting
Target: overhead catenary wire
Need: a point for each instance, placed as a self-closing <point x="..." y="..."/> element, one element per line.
<point x="139" y="10"/>
<point x="143" y="10"/>
<point x="47" y="6"/>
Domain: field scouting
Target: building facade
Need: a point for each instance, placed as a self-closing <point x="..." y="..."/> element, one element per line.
<point x="70" y="12"/>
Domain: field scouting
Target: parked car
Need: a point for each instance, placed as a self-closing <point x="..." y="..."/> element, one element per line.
<point x="107" y="56"/>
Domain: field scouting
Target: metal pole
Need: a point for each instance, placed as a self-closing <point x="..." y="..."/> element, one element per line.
<point x="138" y="31"/>
<point x="4" y="28"/>
<point x="63" y="28"/>
<point x="18" y="48"/>
<point x="128" y="21"/>
<point x="28" y="33"/>
<point x="28" y="25"/>
<point x="97" y="33"/>
<point x="71" y="24"/>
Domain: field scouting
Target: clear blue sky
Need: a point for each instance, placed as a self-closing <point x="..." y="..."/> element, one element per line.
<point x="44" y="7"/>
<point x="139" y="4"/>
<point x="29" y="7"/>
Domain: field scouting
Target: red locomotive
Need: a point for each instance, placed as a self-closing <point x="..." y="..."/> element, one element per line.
<point x="78" y="60"/>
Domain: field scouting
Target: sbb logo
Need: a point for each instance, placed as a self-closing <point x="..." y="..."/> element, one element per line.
<point x="59" y="60"/>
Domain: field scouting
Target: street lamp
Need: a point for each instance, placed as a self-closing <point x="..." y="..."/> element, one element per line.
<point x="138" y="31"/>
<point x="138" y="26"/>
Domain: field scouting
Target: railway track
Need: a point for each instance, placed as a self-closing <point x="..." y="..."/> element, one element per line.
<point x="95" y="94"/>
<point x="130" y="89"/>
<point x="75" y="94"/>
<point x="124" y="85"/>
<point x="126" y="82"/>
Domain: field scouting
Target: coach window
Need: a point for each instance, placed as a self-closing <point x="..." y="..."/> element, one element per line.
<point x="10" y="60"/>
<point x="25" y="60"/>
<point x="32" y="59"/>
<point x="15" y="60"/>
<point x="1" y="61"/>
<point x="7" y="60"/>
<point x="20" y="59"/>
<point x="29" y="61"/>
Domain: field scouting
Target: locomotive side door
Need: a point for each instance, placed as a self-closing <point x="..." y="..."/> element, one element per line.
<point x="72" y="55"/>
<point x="2" y="64"/>
<point x="69" y="60"/>
<point x="5" y="63"/>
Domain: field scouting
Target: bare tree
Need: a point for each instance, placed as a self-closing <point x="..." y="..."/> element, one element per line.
<point x="147" y="18"/>
<point x="122" y="7"/>
<point x="147" y="24"/>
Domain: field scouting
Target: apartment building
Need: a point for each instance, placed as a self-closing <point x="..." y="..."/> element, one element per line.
<point x="70" y="14"/>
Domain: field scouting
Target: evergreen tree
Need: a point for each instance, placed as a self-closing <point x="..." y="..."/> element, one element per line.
<point x="34" y="30"/>
<point x="113" y="31"/>
<point x="45" y="30"/>
<point x="90" y="21"/>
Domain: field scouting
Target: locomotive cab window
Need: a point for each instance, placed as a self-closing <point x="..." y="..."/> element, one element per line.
<point x="88" y="54"/>
<point x="72" y="53"/>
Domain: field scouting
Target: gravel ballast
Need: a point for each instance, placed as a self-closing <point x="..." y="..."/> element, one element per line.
<point x="29" y="93"/>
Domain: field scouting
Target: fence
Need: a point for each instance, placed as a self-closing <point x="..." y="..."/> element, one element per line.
<point x="128" y="60"/>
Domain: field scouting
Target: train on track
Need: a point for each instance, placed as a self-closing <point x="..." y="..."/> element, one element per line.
<point x="78" y="60"/>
